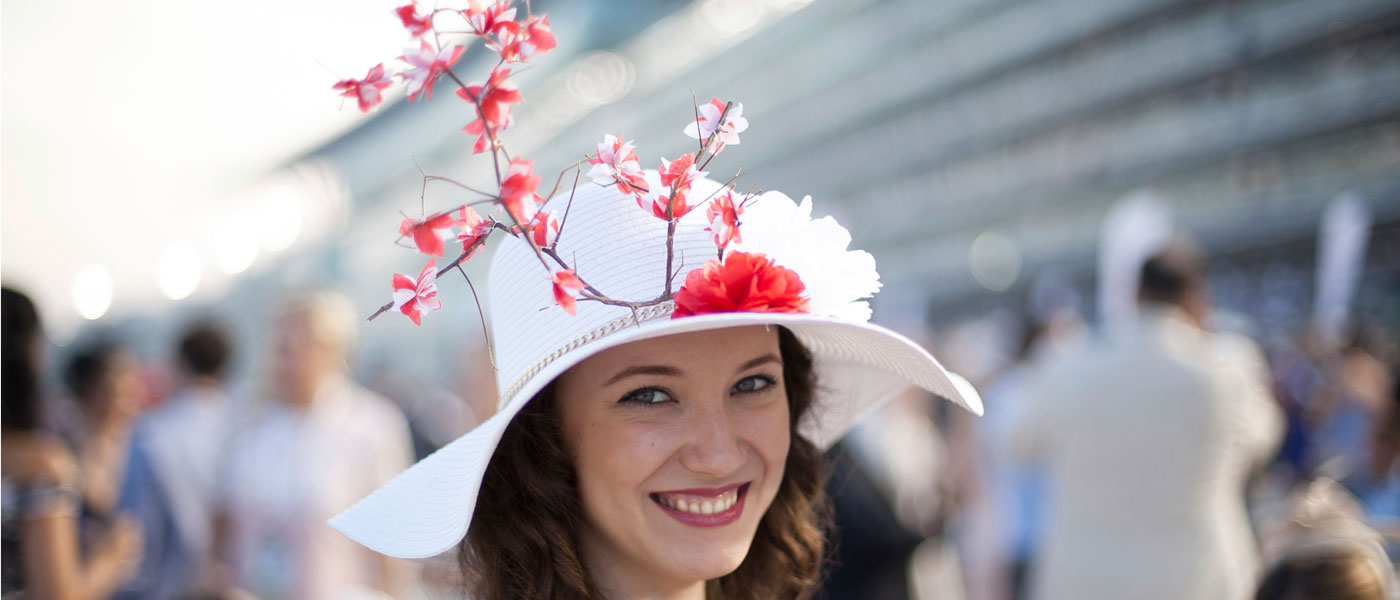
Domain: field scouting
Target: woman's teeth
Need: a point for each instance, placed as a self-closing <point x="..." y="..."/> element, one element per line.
<point x="699" y="505"/>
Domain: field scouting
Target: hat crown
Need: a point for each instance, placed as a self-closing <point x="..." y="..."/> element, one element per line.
<point x="615" y="246"/>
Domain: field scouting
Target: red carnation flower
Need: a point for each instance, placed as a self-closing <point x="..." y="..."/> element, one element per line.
<point x="744" y="282"/>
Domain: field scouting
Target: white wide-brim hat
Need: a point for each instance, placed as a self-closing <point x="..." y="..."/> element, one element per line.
<point x="620" y="249"/>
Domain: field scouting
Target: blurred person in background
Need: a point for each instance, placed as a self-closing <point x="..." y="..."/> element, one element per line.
<point x="323" y="442"/>
<point x="1005" y="528"/>
<point x="1321" y="549"/>
<point x="1376" y="483"/>
<point x="1351" y="403"/>
<point x="887" y="485"/>
<point x="1339" y="575"/>
<point x="39" y="476"/>
<point x="108" y="391"/>
<point x="172" y="474"/>
<point x="1149" y="436"/>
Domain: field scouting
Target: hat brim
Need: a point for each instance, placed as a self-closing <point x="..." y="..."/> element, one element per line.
<point x="426" y="510"/>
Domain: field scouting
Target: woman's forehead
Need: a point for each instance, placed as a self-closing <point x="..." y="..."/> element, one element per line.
<point x="717" y="348"/>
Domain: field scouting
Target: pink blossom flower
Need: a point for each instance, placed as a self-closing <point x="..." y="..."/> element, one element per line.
<point x="470" y="228"/>
<point x="517" y="45"/>
<point x="411" y="297"/>
<point x="424" y="66"/>
<point x="544" y="229"/>
<point x="723" y="215"/>
<point x="677" y="176"/>
<point x="709" y="125"/>
<point x="616" y="162"/>
<point x="483" y="139"/>
<point x="565" y="283"/>
<point x="539" y="38"/>
<point x="428" y="233"/>
<point x="487" y="18"/>
<point x="416" y="18"/>
<point x="493" y="100"/>
<point x="518" y="190"/>
<point x="366" y="91"/>
<point x="658" y="197"/>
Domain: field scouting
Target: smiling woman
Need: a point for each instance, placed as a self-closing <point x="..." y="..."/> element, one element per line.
<point x="670" y="448"/>
<point x="660" y="472"/>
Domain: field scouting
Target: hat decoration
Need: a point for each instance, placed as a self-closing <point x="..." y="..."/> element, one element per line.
<point x="771" y="256"/>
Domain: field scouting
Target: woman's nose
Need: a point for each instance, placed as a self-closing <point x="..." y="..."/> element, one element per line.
<point x="714" y="446"/>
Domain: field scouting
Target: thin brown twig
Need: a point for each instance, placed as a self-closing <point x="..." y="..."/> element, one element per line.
<point x="560" y="179"/>
<point x="695" y="103"/>
<point x="427" y="178"/>
<point x="490" y="352"/>
<point x="423" y="191"/>
<point x="568" y="205"/>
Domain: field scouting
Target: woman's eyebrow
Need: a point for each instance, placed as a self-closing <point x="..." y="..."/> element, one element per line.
<point x="643" y="370"/>
<point x="766" y="358"/>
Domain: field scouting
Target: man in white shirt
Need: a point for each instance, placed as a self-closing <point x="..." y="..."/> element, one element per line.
<point x="1149" y="435"/>
<point x="320" y="445"/>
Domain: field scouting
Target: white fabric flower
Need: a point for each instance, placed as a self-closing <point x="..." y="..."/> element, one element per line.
<point x="837" y="279"/>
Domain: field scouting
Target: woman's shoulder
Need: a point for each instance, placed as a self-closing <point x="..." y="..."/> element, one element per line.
<point x="44" y="460"/>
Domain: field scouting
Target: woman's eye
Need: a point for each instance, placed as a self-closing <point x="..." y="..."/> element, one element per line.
<point x="647" y="396"/>
<point x="756" y="383"/>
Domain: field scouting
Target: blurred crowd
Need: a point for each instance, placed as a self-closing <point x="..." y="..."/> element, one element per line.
<point x="1165" y="456"/>
<point x="159" y="483"/>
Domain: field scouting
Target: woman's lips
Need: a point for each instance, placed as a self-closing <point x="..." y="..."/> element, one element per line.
<point x="711" y="507"/>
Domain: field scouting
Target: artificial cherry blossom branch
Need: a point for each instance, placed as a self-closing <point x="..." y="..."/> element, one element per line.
<point x="466" y="253"/>
<point x="516" y="42"/>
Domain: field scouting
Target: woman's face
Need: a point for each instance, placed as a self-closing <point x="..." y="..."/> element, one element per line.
<point x="679" y="443"/>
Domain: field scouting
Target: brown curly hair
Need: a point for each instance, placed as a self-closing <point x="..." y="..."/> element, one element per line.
<point x="523" y="542"/>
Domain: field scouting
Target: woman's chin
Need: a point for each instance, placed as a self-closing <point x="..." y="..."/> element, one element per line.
<point x="701" y="565"/>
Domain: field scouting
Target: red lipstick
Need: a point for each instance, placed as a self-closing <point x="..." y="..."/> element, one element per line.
<point x="718" y="519"/>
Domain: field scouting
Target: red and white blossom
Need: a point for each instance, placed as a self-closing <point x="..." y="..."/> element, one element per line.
<point x="483" y="138"/>
<point x="544" y="229"/>
<point x="470" y="228"/>
<point x="417" y="19"/>
<point x="657" y="198"/>
<point x="616" y="163"/>
<point x="520" y="44"/>
<point x="723" y="215"/>
<point x="566" y="284"/>
<point x="494" y="100"/>
<point x="742" y="282"/>
<point x="428" y="233"/>
<point x="669" y="187"/>
<point x="708" y="125"/>
<point x="539" y="38"/>
<point x="414" y="297"/>
<point x="424" y="66"/>
<point x="837" y="279"/>
<point x="488" y="18"/>
<point x="518" y="190"/>
<point x="366" y="91"/>
<point x="680" y="174"/>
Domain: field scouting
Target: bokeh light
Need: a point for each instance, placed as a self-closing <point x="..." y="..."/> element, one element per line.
<point x="92" y="291"/>
<point x="179" y="270"/>
<point x="236" y="243"/>
<point x="995" y="261"/>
